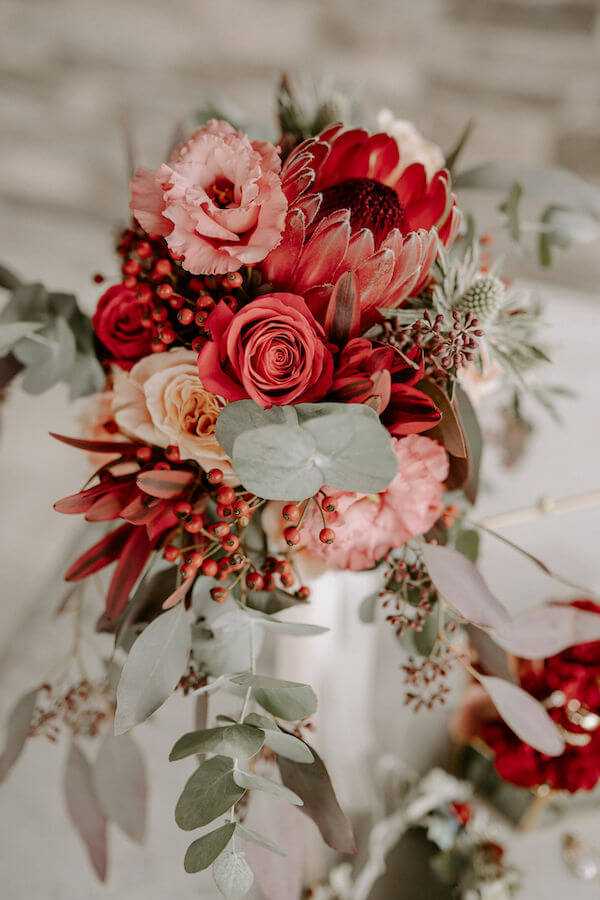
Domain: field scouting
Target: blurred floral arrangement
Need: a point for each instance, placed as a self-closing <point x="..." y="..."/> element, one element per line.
<point x="286" y="376"/>
<point x="466" y="858"/>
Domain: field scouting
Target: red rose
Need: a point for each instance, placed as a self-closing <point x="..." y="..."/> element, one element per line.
<point x="118" y="326"/>
<point x="272" y="350"/>
<point x="364" y="371"/>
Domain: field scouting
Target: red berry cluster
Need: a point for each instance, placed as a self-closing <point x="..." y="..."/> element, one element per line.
<point x="176" y="304"/>
<point x="294" y="514"/>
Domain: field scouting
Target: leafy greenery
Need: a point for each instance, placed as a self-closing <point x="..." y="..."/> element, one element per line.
<point x="208" y="793"/>
<point x="52" y="339"/>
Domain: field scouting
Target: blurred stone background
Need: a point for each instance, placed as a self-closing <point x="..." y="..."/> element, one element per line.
<point x="526" y="71"/>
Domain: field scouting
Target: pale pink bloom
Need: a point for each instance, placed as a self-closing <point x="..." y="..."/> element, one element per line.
<point x="413" y="147"/>
<point x="367" y="526"/>
<point x="162" y="401"/>
<point x="218" y="202"/>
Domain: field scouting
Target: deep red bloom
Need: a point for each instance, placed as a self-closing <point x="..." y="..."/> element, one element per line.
<point x="118" y="326"/>
<point x="575" y="672"/>
<point x="353" y="205"/>
<point x="272" y="351"/>
<point x="365" y="372"/>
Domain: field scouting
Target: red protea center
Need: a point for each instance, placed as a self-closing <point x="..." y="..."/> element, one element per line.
<point x="372" y="205"/>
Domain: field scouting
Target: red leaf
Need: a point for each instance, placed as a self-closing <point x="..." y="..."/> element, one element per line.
<point x="141" y="510"/>
<point x="165" y="483"/>
<point x="101" y="554"/>
<point x="342" y="320"/>
<point x="179" y="593"/>
<point x="165" y="520"/>
<point x="84" y="500"/>
<point x="132" y="560"/>
<point x="97" y="446"/>
<point x="110" y="505"/>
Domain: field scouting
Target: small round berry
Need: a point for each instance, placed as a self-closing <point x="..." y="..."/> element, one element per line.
<point x="143" y="250"/>
<point x="231" y="302"/>
<point x="162" y="464"/>
<point x="283" y="567"/>
<point x="292" y="536"/>
<point x="205" y="302"/>
<point x="195" y="524"/>
<point x="237" y="561"/>
<point x="160" y="314"/>
<point x="210" y="567"/>
<point x="171" y="552"/>
<point x="269" y="584"/>
<point x="226" y="495"/>
<point x="233" y="280"/>
<point x="172" y="452"/>
<point x="241" y="508"/>
<point x="200" y="318"/>
<point x="132" y="267"/>
<point x="230" y="542"/>
<point x="182" y="509"/>
<point x="303" y="593"/>
<point x="157" y="345"/>
<point x="163" y="267"/>
<point x="98" y="278"/>
<point x="219" y="594"/>
<point x="287" y="580"/>
<point x="164" y="291"/>
<point x="243" y="521"/>
<point x="329" y="504"/>
<point x="167" y="335"/>
<point x="198" y="343"/>
<point x="255" y="581"/>
<point x="176" y="302"/>
<point x="194" y="559"/>
<point x="215" y="476"/>
<point x="130" y="282"/>
<point x="144" y="293"/>
<point x="185" y="316"/>
<point x="196" y="284"/>
<point x="143" y="454"/>
<point x="327" y="535"/>
<point x="219" y="529"/>
<point x="187" y="571"/>
<point x="224" y="511"/>
<point x="291" y="513"/>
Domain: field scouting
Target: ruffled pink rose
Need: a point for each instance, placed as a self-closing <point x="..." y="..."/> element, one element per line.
<point x="367" y="526"/>
<point x="273" y="350"/>
<point x="218" y="202"/>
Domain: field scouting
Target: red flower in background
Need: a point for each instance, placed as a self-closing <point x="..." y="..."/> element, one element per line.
<point x="352" y="205"/>
<point x="118" y="326"/>
<point x="576" y="673"/>
<point x="272" y="351"/>
<point x="364" y="371"/>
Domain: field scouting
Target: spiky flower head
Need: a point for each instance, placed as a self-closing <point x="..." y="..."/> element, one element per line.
<point x="484" y="298"/>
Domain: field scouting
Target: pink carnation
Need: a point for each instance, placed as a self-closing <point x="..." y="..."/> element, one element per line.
<point x="219" y="201"/>
<point x="368" y="526"/>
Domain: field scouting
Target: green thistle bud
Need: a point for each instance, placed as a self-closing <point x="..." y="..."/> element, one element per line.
<point x="484" y="298"/>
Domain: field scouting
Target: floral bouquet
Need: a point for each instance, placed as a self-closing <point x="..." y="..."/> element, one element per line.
<point x="284" y="371"/>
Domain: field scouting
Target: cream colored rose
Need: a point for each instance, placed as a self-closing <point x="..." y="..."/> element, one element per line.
<point x="413" y="147"/>
<point x="162" y="401"/>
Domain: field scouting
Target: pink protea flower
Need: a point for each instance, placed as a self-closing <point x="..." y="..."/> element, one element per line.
<point x="354" y="205"/>
<point x="218" y="202"/>
<point x="367" y="526"/>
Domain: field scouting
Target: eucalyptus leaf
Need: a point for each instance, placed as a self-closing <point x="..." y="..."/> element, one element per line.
<point x="368" y="608"/>
<point x="294" y="629"/>
<point x="121" y="785"/>
<point x="289" y="700"/>
<point x="248" y="834"/>
<point x="252" y="782"/>
<point x="524" y="715"/>
<point x="232" y="874"/>
<point x="84" y="809"/>
<point x="203" y="852"/>
<point x="277" y="462"/>
<point x="467" y="543"/>
<point x="234" y="740"/>
<point x="547" y="630"/>
<point x="462" y="586"/>
<point x="425" y="640"/>
<point x="246" y="415"/>
<point x="155" y="663"/>
<point x="11" y="332"/>
<point x="208" y="793"/>
<point x="17" y="731"/>
<point x="280" y="742"/>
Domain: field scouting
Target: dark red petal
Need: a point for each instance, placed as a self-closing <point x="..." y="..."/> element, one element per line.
<point x="410" y="411"/>
<point x="342" y="320"/>
<point x="100" y="555"/>
<point x="165" y="483"/>
<point x="132" y="560"/>
<point x="118" y="447"/>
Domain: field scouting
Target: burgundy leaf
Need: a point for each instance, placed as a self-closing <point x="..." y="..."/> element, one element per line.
<point x="101" y="554"/>
<point x="312" y="784"/>
<point x="449" y="431"/>
<point x="98" y="446"/>
<point x="342" y="320"/>
<point x="163" y="522"/>
<point x="165" y="483"/>
<point x="110" y="505"/>
<point x="132" y="560"/>
<point x="82" y="501"/>
<point x="142" y="509"/>
<point x="84" y="809"/>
